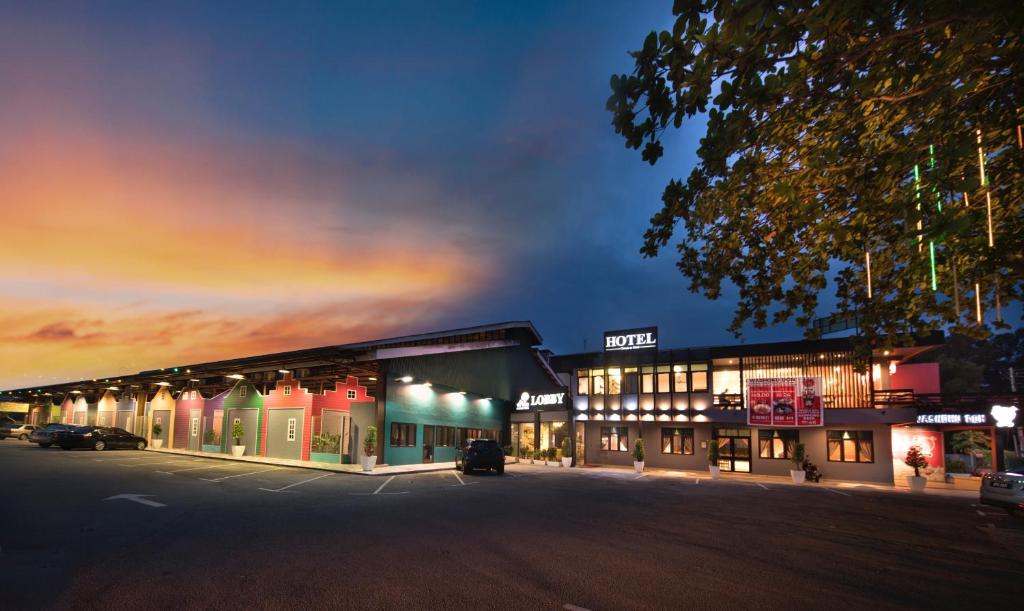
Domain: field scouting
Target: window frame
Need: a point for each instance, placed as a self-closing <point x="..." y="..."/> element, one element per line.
<point x="351" y="394"/>
<point x="620" y="435"/>
<point x="398" y="440"/>
<point x="770" y="435"/>
<point x="668" y="431"/>
<point x="857" y="436"/>
<point x="293" y="426"/>
<point x="287" y="390"/>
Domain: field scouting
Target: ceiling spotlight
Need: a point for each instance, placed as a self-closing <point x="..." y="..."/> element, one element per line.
<point x="372" y="379"/>
<point x="76" y="392"/>
<point x="163" y="383"/>
<point x="236" y="376"/>
<point x="194" y="380"/>
<point x="283" y="371"/>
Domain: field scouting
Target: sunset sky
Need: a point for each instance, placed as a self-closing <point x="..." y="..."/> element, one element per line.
<point x="183" y="182"/>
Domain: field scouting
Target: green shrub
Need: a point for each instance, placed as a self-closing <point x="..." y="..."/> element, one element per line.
<point x="370" y="442"/>
<point x="209" y="438"/>
<point x="566" y="448"/>
<point x="713" y="453"/>
<point x="157" y="429"/>
<point x="638" y="450"/>
<point x="237" y="432"/>
<point x="799" y="455"/>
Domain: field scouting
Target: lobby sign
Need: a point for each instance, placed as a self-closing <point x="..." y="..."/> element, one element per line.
<point x="645" y="338"/>
<point x="526" y="400"/>
<point x="793" y="402"/>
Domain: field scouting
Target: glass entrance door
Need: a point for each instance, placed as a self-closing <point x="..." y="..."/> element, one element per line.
<point x="428" y="443"/>
<point x="733" y="449"/>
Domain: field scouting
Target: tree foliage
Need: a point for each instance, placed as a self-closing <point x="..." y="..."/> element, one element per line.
<point x="817" y="113"/>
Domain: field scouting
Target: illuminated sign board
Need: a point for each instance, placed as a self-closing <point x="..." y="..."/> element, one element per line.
<point x="526" y="400"/>
<point x="951" y="419"/>
<point x="1005" y="415"/>
<point x="631" y="339"/>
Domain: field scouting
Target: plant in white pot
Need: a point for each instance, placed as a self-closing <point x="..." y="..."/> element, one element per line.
<point x="157" y="429"/>
<point x="237" y="432"/>
<point x="797" y="472"/>
<point x="918" y="461"/>
<point x="638" y="455"/>
<point x="369" y="459"/>
<point x="552" y="455"/>
<point x="713" y="456"/>
<point x="566" y="453"/>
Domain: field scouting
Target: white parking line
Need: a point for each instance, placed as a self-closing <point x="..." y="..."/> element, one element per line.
<point x="220" y="479"/>
<point x="834" y="491"/>
<point x="641" y="475"/>
<point x="147" y="464"/>
<point x="458" y="477"/>
<point x="377" y="491"/>
<point x="197" y="468"/>
<point x="305" y="481"/>
<point x="762" y="485"/>
<point x="696" y="480"/>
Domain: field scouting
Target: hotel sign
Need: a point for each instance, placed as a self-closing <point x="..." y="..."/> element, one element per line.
<point x="526" y="400"/>
<point x="631" y="339"/>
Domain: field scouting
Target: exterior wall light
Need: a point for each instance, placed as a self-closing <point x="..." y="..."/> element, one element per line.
<point x="405" y="379"/>
<point x="427" y="384"/>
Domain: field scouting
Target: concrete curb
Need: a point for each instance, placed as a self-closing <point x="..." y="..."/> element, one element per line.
<point x="314" y="466"/>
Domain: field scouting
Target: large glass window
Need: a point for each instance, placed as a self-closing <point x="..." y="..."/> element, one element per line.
<point x="629" y="382"/>
<point x="614" y="438"/>
<point x="775" y="443"/>
<point x="679" y="378"/>
<point x="614" y="381"/>
<point x="403" y="435"/>
<point x="851" y="446"/>
<point x="582" y="382"/>
<point x="647" y="379"/>
<point x="445" y="436"/>
<point x="526" y="438"/>
<point x="676" y="441"/>
<point x="699" y="377"/>
<point x="664" y="376"/>
<point x="597" y="377"/>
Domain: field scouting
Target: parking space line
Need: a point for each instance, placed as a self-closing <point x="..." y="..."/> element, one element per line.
<point x="641" y="475"/>
<point x="377" y="491"/>
<point x="220" y="479"/>
<point x="458" y="477"/>
<point x="197" y="468"/>
<point x="762" y="485"/>
<point x="834" y="491"/>
<point x="305" y="481"/>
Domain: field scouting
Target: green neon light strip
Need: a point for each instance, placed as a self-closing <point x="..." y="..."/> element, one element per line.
<point x="935" y="280"/>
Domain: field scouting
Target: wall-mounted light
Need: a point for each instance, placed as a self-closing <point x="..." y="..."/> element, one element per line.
<point x="76" y="392"/>
<point x="194" y="380"/>
<point x="283" y="371"/>
<point x="892" y="367"/>
<point x="427" y="384"/>
<point x="236" y="376"/>
<point x="405" y="379"/>
<point x="163" y="383"/>
<point x="372" y="379"/>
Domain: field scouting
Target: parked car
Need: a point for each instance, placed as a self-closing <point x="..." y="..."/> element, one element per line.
<point x="480" y="454"/>
<point x="19" y="431"/>
<point x="1004" y="489"/>
<point x="98" y="438"/>
<point x="45" y="434"/>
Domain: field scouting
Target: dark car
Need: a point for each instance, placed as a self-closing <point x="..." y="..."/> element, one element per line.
<point x="480" y="454"/>
<point x="98" y="438"/>
<point x="45" y="434"/>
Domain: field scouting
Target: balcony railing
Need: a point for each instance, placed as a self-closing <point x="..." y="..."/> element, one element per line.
<point x="967" y="401"/>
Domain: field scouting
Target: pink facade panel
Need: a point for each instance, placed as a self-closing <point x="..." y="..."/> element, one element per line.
<point x="922" y="378"/>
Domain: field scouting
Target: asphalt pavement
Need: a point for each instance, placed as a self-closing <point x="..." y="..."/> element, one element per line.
<point x="129" y="529"/>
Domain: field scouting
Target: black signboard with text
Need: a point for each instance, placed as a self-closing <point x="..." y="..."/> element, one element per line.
<point x="644" y="338"/>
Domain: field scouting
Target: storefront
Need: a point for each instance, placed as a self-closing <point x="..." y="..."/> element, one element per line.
<point x="541" y="420"/>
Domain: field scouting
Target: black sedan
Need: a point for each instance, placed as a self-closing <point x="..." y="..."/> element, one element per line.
<point x="480" y="454"/>
<point x="99" y="438"/>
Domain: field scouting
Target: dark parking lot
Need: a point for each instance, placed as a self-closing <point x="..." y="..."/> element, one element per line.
<point x="218" y="534"/>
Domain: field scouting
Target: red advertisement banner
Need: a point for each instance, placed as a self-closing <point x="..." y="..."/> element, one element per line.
<point x="785" y="402"/>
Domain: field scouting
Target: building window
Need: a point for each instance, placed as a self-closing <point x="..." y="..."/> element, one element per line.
<point x="647" y="380"/>
<point x="194" y="430"/>
<point x="403" y="435"/>
<point x="679" y="378"/>
<point x="677" y="441"/>
<point x="615" y="438"/>
<point x="445" y="436"/>
<point x="193" y="395"/>
<point x="287" y="390"/>
<point x="241" y="391"/>
<point x="597" y="375"/>
<point x="776" y="443"/>
<point x="699" y="377"/>
<point x="629" y="383"/>
<point x="614" y="381"/>
<point x="582" y="382"/>
<point x="351" y="394"/>
<point x="291" y="429"/>
<point x="851" y="446"/>
<point x="663" y="378"/>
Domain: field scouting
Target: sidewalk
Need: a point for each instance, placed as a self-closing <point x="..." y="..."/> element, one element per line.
<point x="320" y="466"/>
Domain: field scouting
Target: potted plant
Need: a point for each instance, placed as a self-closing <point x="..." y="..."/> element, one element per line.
<point x="638" y="455"/>
<point x="566" y="453"/>
<point x="797" y="472"/>
<point x="237" y="432"/>
<point x="713" y="456"/>
<point x="552" y="455"/>
<point x="369" y="459"/>
<point x="918" y="461"/>
<point x="528" y="453"/>
<point x="538" y="455"/>
<point x="157" y="429"/>
<point x="507" y="451"/>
